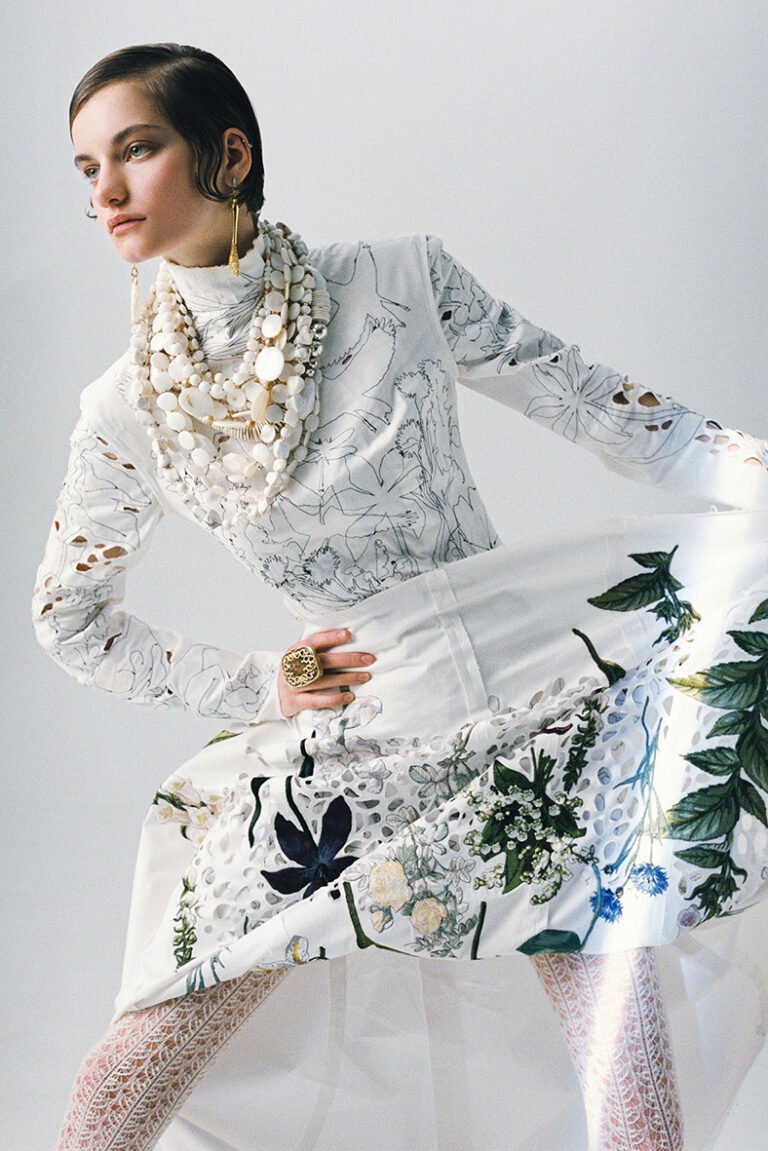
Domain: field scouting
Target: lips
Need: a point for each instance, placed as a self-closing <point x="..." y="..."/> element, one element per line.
<point x="119" y="224"/>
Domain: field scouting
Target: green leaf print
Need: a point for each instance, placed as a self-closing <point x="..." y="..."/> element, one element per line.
<point x="514" y="872"/>
<point x="551" y="942"/>
<point x="658" y="560"/>
<point x="726" y="685"/>
<point x="752" y="748"/>
<point x="656" y="589"/>
<point x="184" y="934"/>
<point x="221" y="736"/>
<point x="584" y="740"/>
<point x="705" y="814"/>
<point x="739" y="689"/>
<point x="715" y="760"/>
<point x="760" y="612"/>
<point x="631" y="594"/>
<point x="732" y="723"/>
<point x="752" y="642"/>
<point x="707" y="857"/>
<point x="752" y="801"/>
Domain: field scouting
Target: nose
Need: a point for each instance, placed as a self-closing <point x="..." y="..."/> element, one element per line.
<point x="109" y="188"/>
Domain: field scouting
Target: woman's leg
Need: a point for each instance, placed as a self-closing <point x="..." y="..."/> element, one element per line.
<point x="612" y="1012"/>
<point x="134" y="1081"/>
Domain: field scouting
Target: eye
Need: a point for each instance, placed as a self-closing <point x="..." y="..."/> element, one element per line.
<point x="90" y="172"/>
<point x="136" y="151"/>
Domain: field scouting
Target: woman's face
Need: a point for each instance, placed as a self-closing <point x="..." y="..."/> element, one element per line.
<point x="142" y="180"/>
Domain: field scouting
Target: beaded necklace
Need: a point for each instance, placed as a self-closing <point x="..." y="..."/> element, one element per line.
<point x="228" y="444"/>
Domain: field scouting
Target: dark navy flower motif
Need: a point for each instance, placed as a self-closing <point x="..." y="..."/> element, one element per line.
<point x="610" y="904"/>
<point x="649" y="879"/>
<point x="318" y="864"/>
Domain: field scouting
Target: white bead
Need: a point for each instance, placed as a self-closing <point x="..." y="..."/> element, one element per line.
<point x="166" y="401"/>
<point x="180" y="368"/>
<point x="282" y="450"/>
<point x="279" y="393"/>
<point x="272" y="327"/>
<point x="234" y="464"/>
<point x="161" y="382"/>
<point x="159" y="361"/>
<point x="261" y="454"/>
<point x="311" y="422"/>
<point x="186" y="441"/>
<point x="279" y="465"/>
<point x="196" y="403"/>
<point x="267" y="434"/>
<point x="274" y="300"/>
<point x="305" y="400"/>
<point x="259" y="404"/>
<point x="217" y="391"/>
<point x="291" y="417"/>
<point x="201" y="456"/>
<point x="300" y="453"/>
<point x="275" y="413"/>
<point x="178" y="421"/>
<point x="297" y="293"/>
<point x="297" y="274"/>
<point x="293" y="311"/>
<point x="269" y="364"/>
<point x="176" y="343"/>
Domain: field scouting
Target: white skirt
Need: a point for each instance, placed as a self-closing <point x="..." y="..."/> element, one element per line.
<point x="562" y="748"/>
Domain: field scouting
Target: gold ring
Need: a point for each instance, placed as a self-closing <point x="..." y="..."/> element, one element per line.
<point x="301" y="667"/>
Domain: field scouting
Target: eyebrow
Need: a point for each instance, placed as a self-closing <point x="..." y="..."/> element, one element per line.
<point x="120" y="138"/>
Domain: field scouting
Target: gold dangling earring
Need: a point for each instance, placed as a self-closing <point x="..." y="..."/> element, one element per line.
<point x="234" y="259"/>
<point x="135" y="294"/>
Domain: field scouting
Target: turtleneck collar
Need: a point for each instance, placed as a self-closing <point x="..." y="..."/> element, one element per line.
<point x="222" y="304"/>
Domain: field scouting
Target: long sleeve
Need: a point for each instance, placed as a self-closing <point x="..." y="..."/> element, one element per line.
<point x="105" y="517"/>
<point x="634" y="431"/>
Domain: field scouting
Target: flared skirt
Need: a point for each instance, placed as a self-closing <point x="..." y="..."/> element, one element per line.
<point x="563" y="747"/>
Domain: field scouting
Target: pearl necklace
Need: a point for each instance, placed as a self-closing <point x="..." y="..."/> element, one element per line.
<point x="228" y="444"/>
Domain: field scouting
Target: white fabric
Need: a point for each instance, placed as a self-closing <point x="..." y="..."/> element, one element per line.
<point x="385" y="495"/>
<point x="376" y="1052"/>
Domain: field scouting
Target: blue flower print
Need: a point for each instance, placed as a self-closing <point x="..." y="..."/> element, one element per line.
<point x="610" y="904"/>
<point x="318" y="864"/>
<point x="649" y="879"/>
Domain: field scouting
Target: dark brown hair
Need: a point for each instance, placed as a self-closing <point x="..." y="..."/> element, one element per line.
<point x="200" y="97"/>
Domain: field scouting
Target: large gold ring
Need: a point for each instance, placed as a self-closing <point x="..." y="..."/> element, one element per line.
<point x="301" y="667"/>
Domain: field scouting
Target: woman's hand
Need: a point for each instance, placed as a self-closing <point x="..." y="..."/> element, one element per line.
<point x="333" y="687"/>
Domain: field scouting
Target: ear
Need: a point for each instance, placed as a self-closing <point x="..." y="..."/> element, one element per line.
<point x="236" y="162"/>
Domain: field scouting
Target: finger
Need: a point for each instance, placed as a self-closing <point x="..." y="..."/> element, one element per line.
<point x="337" y="681"/>
<point x="322" y="640"/>
<point x="316" y="700"/>
<point x="332" y="659"/>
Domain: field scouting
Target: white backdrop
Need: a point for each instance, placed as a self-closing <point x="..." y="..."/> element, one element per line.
<point x="600" y="164"/>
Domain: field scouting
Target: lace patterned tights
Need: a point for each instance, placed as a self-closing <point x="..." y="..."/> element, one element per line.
<point x="610" y="1007"/>
<point x="134" y="1081"/>
<point x="612" y="1013"/>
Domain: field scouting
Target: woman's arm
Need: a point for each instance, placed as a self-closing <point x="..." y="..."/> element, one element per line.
<point x="105" y="515"/>
<point x="633" y="430"/>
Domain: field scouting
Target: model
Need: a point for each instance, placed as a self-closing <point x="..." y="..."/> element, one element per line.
<point x="557" y="748"/>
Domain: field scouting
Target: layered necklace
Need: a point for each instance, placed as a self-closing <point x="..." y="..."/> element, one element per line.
<point x="228" y="444"/>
